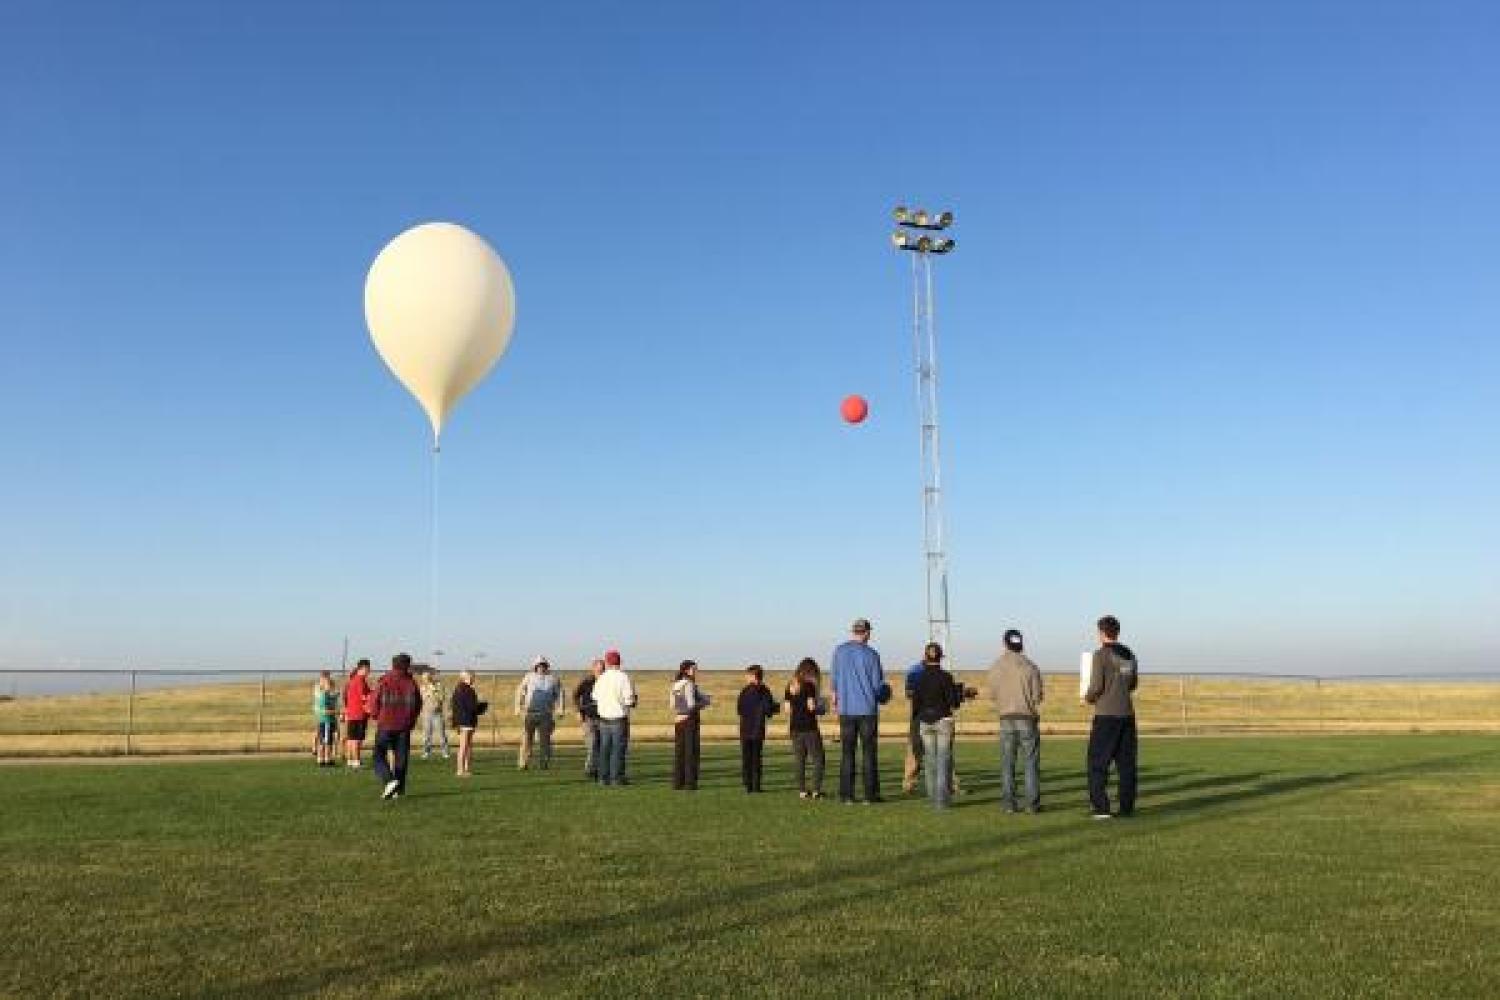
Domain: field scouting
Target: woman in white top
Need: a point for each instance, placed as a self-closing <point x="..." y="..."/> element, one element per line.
<point x="686" y="702"/>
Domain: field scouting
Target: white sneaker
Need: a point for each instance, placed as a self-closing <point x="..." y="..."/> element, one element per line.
<point x="392" y="787"/>
<point x="1102" y="816"/>
<point x="445" y="755"/>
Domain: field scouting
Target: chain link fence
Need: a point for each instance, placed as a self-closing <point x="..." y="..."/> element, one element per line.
<point x="46" y="713"/>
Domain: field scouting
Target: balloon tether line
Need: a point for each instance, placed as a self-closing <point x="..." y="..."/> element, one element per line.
<point x="432" y="552"/>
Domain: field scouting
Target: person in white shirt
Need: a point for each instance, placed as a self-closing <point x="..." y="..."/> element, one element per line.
<point x="686" y="702"/>
<point x="614" y="696"/>
<point x="539" y="701"/>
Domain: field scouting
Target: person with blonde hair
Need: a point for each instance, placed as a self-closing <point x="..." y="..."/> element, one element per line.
<point x="467" y="708"/>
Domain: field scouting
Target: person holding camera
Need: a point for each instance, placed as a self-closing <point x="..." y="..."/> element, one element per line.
<point x="935" y="697"/>
<point x="467" y="708"/>
<point x="859" y="689"/>
<point x="1016" y="686"/>
<point x="687" y="702"/>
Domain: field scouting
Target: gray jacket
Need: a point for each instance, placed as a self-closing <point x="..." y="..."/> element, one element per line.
<point x="1112" y="676"/>
<point x="1016" y="686"/>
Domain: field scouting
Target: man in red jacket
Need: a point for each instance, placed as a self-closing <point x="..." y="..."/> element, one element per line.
<point x="398" y="704"/>
<point x="356" y="713"/>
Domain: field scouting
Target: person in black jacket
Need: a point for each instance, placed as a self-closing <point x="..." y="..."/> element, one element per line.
<point x="935" y="697"/>
<point x="588" y="719"/>
<point x="805" y="705"/>
<point x="756" y="705"/>
<point x="467" y="708"/>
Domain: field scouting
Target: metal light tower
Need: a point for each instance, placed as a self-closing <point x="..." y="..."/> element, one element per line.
<point x="917" y="234"/>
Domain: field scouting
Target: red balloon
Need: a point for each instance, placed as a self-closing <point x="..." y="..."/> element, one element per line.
<point x="854" y="409"/>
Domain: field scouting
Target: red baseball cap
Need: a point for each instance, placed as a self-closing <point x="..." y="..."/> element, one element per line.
<point x="612" y="658"/>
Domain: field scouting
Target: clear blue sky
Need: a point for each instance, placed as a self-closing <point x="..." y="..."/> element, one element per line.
<point x="1219" y="341"/>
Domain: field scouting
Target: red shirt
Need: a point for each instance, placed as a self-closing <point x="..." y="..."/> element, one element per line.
<point x="355" y="693"/>
<point x="397" y="703"/>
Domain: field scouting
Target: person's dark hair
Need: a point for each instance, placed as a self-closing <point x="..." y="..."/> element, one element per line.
<point x="1013" y="640"/>
<point x="1110" y="626"/>
<point x="684" y="667"/>
<point x="361" y="663"/>
<point x="808" y="670"/>
<point x="402" y="662"/>
<point x="755" y="671"/>
<point x="932" y="653"/>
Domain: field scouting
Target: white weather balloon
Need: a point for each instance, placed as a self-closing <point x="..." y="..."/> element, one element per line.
<point x="440" y="306"/>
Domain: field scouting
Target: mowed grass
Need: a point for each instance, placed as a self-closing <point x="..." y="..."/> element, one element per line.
<point x="1285" y="867"/>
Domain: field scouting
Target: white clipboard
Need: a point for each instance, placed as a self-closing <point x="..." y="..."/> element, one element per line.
<point x="1085" y="667"/>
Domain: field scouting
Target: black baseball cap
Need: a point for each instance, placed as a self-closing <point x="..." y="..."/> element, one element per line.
<point x="1013" y="639"/>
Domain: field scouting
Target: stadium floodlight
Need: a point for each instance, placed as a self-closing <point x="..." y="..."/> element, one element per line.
<point x="920" y="218"/>
<point x="915" y="234"/>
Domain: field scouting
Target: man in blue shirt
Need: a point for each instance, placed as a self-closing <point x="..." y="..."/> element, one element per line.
<point x="858" y="689"/>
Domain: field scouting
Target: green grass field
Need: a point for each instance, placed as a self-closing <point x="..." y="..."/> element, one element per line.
<point x="1279" y="867"/>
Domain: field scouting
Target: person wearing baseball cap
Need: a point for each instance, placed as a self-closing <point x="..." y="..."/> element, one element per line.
<point x="539" y="700"/>
<point x="858" y="687"/>
<point x="614" y="697"/>
<point x="1016" y="686"/>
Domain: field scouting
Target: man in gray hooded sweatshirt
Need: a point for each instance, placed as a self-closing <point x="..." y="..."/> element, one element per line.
<point x="1016" y="685"/>
<point x="1113" y="675"/>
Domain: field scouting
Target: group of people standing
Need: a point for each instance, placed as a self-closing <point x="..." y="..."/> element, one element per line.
<point x="606" y="697"/>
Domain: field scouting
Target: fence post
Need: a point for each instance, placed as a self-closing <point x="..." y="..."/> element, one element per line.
<point x="495" y="712"/>
<point x="130" y="717"/>
<point x="260" y="714"/>
<point x="1182" y="700"/>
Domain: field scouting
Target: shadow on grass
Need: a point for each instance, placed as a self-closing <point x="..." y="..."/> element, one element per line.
<point x="681" y="920"/>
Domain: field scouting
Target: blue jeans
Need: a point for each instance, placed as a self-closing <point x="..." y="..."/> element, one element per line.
<point x="855" y="730"/>
<point x="611" y="751"/>
<point x="434" y="719"/>
<point x="1026" y="736"/>
<point x="398" y="745"/>
<point x="937" y="749"/>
